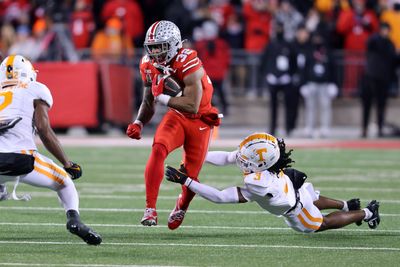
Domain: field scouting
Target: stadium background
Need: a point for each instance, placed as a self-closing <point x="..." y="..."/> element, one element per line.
<point x="67" y="40"/>
<point x="97" y="93"/>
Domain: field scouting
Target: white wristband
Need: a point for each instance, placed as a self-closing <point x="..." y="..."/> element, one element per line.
<point x="188" y="182"/>
<point x="163" y="99"/>
<point x="139" y="123"/>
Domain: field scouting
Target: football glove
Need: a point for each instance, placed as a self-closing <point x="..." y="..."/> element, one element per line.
<point x="75" y="171"/>
<point x="134" y="131"/>
<point x="175" y="176"/>
<point x="157" y="85"/>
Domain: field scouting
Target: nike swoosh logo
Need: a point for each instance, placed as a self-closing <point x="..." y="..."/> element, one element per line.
<point x="202" y="128"/>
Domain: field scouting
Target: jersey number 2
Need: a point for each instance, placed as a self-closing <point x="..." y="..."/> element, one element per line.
<point x="7" y="98"/>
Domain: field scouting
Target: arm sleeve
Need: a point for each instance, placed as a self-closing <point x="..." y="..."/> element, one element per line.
<point x="228" y="195"/>
<point x="221" y="158"/>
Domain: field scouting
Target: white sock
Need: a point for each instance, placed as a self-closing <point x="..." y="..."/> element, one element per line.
<point x="345" y="207"/>
<point x="368" y="214"/>
<point x="69" y="196"/>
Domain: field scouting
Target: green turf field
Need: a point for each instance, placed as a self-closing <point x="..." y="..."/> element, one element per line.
<point x="112" y="202"/>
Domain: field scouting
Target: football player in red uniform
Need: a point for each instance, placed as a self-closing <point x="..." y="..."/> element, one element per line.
<point x="189" y="121"/>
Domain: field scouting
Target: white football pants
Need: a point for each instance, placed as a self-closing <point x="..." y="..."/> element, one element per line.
<point x="49" y="175"/>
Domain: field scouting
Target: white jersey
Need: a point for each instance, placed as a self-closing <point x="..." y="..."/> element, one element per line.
<point x="275" y="194"/>
<point x="18" y="101"/>
<point x="272" y="192"/>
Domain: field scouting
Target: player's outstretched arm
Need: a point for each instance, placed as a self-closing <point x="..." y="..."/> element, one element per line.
<point x="190" y="101"/>
<point x="47" y="135"/>
<point x="228" y="195"/>
<point x="221" y="158"/>
<point x="146" y="112"/>
<point x="147" y="108"/>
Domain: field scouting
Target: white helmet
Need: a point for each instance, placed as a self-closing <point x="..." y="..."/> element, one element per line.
<point x="16" y="68"/>
<point x="162" y="42"/>
<point x="257" y="152"/>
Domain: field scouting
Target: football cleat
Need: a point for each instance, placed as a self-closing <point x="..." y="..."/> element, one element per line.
<point x="375" y="219"/>
<point x="78" y="228"/>
<point x="149" y="217"/>
<point x="354" y="204"/>
<point x="176" y="217"/>
<point x="3" y="192"/>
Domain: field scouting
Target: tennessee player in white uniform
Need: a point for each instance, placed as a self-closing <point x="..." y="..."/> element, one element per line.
<point x="278" y="189"/>
<point x="24" y="105"/>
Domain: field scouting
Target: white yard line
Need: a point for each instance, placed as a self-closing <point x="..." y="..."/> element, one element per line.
<point x="77" y="265"/>
<point x="50" y="194"/>
<point x="158" y="210"/>
<point x="327" y="188"/>
<point x="205" y="245"/>
<point x="22" y="224"/>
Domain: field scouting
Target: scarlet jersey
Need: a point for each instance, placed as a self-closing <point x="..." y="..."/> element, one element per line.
<point x="184" y="63"/>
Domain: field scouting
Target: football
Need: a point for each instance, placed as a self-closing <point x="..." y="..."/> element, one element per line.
<point x="172" y="87"/>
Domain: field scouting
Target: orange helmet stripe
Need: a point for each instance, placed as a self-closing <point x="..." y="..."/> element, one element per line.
<point x="257" y="136"/>
<point x="9" y="70"/>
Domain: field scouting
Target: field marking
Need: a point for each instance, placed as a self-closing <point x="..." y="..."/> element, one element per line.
<point x="109" y="187"/>
<point x="112" y="186"/>
<point x="158" y="210"/>
<point x="203" y="245"/>
<point x="79" y="265"/>
<point x="51" y="194"/>
<point x="391" y="231"/>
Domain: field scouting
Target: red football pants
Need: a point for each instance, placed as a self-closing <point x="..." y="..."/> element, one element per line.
<point x="174" y="131"/>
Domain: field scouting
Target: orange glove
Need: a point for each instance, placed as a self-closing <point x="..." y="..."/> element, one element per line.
<point x="134" y="130"/>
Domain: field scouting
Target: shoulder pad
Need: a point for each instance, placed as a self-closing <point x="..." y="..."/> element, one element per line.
<point x="41" y="91"/>
<point x="186" y="59"/>
<point x="297" y="177"/>
<point x="145" y="59"/>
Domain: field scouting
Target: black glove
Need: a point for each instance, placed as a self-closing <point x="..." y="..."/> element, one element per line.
<point x="75" y="171"/>
<point x="175" y="176"/>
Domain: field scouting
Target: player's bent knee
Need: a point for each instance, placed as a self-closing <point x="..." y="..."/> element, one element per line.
<point x="159" y="150"/>
<point x="324" y="224"/>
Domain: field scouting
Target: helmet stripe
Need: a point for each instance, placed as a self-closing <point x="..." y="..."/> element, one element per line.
<point x="153" y="30"/>
<point x="257" y="136"/>
<point x="9" y="66"/>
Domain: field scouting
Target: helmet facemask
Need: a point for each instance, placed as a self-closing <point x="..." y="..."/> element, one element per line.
<point x="157" y="51"/>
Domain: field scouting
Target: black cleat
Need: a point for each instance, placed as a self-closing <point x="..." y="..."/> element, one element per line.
<point x="375" y="219"/>
<point x="80" y="229"/>
<point x="354" y="204"/>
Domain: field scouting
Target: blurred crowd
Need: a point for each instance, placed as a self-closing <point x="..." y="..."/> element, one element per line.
<point x="117" y="26"/>
<point x="293" y="41"/>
